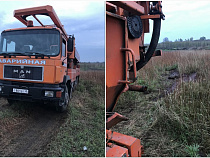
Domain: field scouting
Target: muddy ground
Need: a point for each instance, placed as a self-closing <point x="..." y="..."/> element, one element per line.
<point x="28" y="130"/>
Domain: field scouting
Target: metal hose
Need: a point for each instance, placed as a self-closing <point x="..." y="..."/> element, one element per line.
<point x="152" y="46"/>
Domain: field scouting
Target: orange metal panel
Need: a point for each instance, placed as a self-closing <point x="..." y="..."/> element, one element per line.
<point x="114" y="119"/>
<point x="49" y="74"/>
<point x="72" y="74"/>
<point x="130" y="6"/>
<point x="150" y="16"/>
<point x="116" y="151"/>
<point x="115" y="58"/>
<point x="133" y="60"/>
<point x="134" y="45"/>
<point x="110" y="7"/>
<point x="132" y="144"/>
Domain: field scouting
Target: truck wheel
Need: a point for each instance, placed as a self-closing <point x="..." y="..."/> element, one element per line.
<point x="75" y="83"/>
<point x="62" y="105"/>
<point x="70" y="90"/>
<point x="73" y="86"/>
<point x="77" y="79"/>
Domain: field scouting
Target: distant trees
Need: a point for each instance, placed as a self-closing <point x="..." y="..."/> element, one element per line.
<point x="166" y="39"/>
<point x="203" y="38"/>
<point x="86" y="66"/>
<point x="180" y="44"/>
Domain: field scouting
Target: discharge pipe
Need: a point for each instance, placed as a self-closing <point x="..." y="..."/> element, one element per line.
<point x="137" y="88"/>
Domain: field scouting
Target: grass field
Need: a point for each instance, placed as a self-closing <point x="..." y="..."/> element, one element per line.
<point x="173" y="118"/>
<point x="85" y="125"/>
<point x="31" y="129"/>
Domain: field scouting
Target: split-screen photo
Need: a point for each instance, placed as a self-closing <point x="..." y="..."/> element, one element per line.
<point x="104" y="79"/>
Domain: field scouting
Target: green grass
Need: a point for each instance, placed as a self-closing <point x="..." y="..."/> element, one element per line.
<point x="6" y="114"/>
<point x="85" y="124"/>
<point x="14" y="111"/>
<point x="192" y="150"/>
<point x="171" y="67"/>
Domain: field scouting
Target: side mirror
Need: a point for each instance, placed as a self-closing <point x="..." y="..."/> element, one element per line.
<point x="70" y="44"/>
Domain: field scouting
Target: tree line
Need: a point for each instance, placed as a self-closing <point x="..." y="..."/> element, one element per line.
<point x="187" y="44"/>
<point x="85" y="66"/>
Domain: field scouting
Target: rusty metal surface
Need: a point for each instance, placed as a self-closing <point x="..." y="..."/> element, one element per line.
<point x="111" y="8"/>
<point x="137" y="88"/>
<point x="133" y="61"/>
<point x="113" y="119"/>
<point x="130" y="6"/>
<point x="150" y="16"/>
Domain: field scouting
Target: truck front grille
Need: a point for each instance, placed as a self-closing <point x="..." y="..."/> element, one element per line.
<point x="20" y="72"/>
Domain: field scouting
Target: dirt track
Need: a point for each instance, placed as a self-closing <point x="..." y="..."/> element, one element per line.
<point x="29" y="133"/>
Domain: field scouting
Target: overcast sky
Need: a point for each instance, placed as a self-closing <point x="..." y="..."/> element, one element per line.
<point x="184" y="19"/>
<point x="84" y="19"/>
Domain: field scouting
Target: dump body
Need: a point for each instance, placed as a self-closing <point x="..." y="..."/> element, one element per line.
<point x="126" y="24"/>
<point x="38" y="63"/>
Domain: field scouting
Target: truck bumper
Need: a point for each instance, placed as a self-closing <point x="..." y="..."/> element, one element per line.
<point x="35" y="91"/>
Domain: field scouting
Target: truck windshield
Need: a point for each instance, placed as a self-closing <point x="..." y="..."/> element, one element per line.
<point x="30" y="42"/>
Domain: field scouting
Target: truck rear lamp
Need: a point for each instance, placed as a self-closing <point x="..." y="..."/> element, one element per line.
<point x="58" y="94"/>
<point x="49" y="94"/>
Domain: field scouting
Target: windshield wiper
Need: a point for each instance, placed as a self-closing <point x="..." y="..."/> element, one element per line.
<point x="12" y="54"/>
<point x="36" y="54"/>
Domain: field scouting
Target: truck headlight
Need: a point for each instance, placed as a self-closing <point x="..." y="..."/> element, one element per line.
<point x="49" y="94"/>
<point x="0" y="89"/>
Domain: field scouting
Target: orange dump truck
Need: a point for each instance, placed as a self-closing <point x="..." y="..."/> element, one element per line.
<point x="38" y="63"/>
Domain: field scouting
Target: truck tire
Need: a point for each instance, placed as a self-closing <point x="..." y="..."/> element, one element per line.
<point x="70" y="90"/>
<point x="76" y="82"/>
<point x="73" y="86"/>
<point x="62" y="105"/>
<point x="77" y="79"/>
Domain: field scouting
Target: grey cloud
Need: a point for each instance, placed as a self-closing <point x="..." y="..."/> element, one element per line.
<point x="89" y="33"/>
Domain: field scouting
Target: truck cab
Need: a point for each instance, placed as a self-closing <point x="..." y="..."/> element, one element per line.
<point x="38" y="63"/>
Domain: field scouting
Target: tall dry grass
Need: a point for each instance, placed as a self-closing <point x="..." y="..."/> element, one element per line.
<point x="94" y="76"/>
<point x="85" y="125"/>
<point x="179" y="120"/>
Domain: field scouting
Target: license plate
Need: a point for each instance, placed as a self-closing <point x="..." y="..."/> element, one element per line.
<point x="24" y="91"/>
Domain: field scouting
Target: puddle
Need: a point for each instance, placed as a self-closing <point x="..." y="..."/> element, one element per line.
<point x="188" y="78"/>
